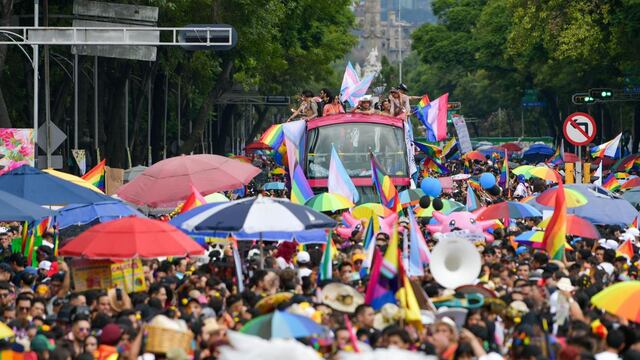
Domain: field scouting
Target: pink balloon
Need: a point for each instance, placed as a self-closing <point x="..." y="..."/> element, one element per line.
<point x="350" y="220"/>
<point x="386" y="224"/>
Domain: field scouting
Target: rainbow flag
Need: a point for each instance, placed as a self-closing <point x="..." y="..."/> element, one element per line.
<point x="432" y="164"/>
<point x="611" y="183"/>
<point x="382" y="289"/>
<point x="472" y="199"/>
<point x="193" y="201"/>
<point x="474" y="183"/>
<point x="631" y="164"/>
<point x="451" y="150"/>
<point x="273" y="136"/>
<point x="556" y="159"/>
<point x="338" y="180"/>
<point x="419" y="254"/>
<point x="467" y="168"/>
<point x="369" y="247"/>
<point x="96" y="175"/>
<point x="504" y="172"/>
<point x="384" y="186"/>
<point x="326" y="268"/>
<point x="300" y="188"/>
<point x="429" y="149"/>
<point x="634" y="223"/>
<point x="390" y="262"/>
<point x="611" y="148"/>
<point x="25" y="236"/>
<point x="555" y="235"/>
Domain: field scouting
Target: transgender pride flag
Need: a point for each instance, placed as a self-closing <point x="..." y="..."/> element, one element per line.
<point x="339" y="181"/>
<point x="434" y="118"/>
<point x="352" y="87"/>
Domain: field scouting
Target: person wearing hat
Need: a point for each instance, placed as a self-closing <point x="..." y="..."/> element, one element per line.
<point x="364" y="106"/>
<point x="108" y="342"/>
<point x="303" y="260"/>
<point x="42" y="346"/>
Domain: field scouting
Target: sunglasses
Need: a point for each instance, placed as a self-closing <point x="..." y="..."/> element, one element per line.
<point x="24" y="308"/>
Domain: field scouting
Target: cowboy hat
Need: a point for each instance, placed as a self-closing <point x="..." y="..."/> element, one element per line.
<point x="341" y="297"/>
<point x="388" y="315"/>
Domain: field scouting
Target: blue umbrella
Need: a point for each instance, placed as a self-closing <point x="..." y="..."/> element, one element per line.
<point x="602" y="207"/>
<point x="273" y="186"/>
<point x="538" y="152"/>
<point x="13" y="208"/>
<point x="80" y="214"/>
<point x="257" y="215"/>
<point x="31" y="184"/>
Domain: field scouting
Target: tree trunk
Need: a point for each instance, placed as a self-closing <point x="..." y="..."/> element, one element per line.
<point x="635" y="128"/>
<point x="261" y="113"/>
<point x="226" y="118"/>
<point x="5" y="20"/>
<point x="137" y="142"/>
<point x="223" y="83"/>
<point x="552" y="113"/>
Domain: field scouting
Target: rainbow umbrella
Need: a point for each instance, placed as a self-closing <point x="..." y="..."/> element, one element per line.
<point x="621" y="299"/>
<point x="545" y="173"/>
<point x="474" y="155"/>
<point x="368" y="210"/>
<point x="523" y="170"/>
<point x="410" y="197"/>
<point x="281" y="324"/>
<point x="576" y="226"/>
<point x="278" y="171"/>
<point x="573" y="198"/>
<point x="635" y="182"/>
<point x="533" y="238"/>
<point x="448" y="206"/>
<point x="329" y="202"/>
<point x="508" y="209"/>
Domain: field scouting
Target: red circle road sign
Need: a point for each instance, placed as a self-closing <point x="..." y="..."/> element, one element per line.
<point x="579" y="129"/>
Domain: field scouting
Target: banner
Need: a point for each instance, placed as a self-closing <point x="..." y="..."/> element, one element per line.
<point x="16" y="148"/>
<point x="104" y="274"/>
<point x="463" y="134"/>
<point x="113" y="178"/>
<point x="81" y="159"/>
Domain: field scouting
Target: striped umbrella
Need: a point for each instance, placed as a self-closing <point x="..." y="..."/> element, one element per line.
<point x="523" y="170"/>
<point x="281" y="324"/>
<point x="508" y="209"/>
<point x="573" y="197"/>
<point x="329" y="202"/>
<point x="545" y="173"/>
<point x="621" y="299"/>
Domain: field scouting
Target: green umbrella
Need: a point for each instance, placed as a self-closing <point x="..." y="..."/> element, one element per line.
<point x="329" y="202"/>
<point x="523" y="170"/>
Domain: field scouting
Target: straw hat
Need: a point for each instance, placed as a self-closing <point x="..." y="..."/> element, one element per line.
<point x="388" y="315"/>
<point x="341" y="297"/>
<point x="564" y="284"/>
<point x="119" y="304"/>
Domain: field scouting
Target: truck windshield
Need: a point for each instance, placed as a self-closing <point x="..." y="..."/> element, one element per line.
<point x="353" y="141"/>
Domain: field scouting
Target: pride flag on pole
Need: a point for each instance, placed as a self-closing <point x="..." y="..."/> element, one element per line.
<point x="434" y="117"/>
<point x="326" y="267"/>
<point x="419" y="254"/>
<point x="611" y="148"/>
<point x="386" y="190"/>
<point x="300" y="188"/>
<point x="504" y="172"/>
<point x="96" y="175"/>
<point x="194" y="200"/>
<point x="611" y="183"/>
<point x="352" y="87"/>
<point x="384" y="281"/>
<point x="472" y="199"/>
<point x="339" y="181"/>
<point x="555" y="236"/>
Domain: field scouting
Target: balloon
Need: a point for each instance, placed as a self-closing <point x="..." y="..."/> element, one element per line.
<point x="494" y="190"/>
<point x="431" y="187"/>
<point x="425" y="201"/>
<point x="386" y="224"/>
<point x="349" y="219"/>
<point x="345" y="232"/>
<point x="437" y="204"/>
<point x="487" y="180"/>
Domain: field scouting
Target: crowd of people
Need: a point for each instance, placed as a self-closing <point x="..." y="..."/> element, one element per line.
<point x="532" y="307"/>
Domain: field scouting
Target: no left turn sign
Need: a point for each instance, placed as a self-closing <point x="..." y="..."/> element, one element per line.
<point x="579" y="129"/>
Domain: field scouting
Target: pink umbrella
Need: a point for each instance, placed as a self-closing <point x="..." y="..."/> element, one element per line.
<point x="169" y="181"/>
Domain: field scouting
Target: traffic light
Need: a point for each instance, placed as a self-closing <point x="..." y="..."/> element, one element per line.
<point x="601" y="93"/>
<point x="456" y="105"/>
<point x="580" y="99"/>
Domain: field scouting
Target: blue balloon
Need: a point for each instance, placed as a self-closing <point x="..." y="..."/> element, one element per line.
<point x="487" y="180"/>
<point x="431" y="187"/>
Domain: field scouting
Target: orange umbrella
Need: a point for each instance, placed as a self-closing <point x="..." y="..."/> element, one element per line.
<point x="576" y="226"/>
<point x="545" y="173"/>
<point x="474" y="155"/>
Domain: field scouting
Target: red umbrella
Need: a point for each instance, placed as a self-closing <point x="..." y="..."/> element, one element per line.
<point x="257" y="145"/>
<point x="169" y="181"/>
<point x="474" y="155"/>
<point x="635" y="182"/>
<point x="576" y="226"/>
<point x="570" y="157"/>
<point x="511" y="147"/>
<point x="129" y="238"/>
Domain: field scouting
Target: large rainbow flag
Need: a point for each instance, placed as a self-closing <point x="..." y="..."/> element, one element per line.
<point x="555" y="236"/>
<point x="504" y="172"/>
<point x="432" y="164"/>
<point x="611" y="183"/>
<point x="338" y="181"/>
<point x="429" y="149"/>
<point x="273" y="136"/>
<point x="384" y="281"/>
<point x="96" y="175"/>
